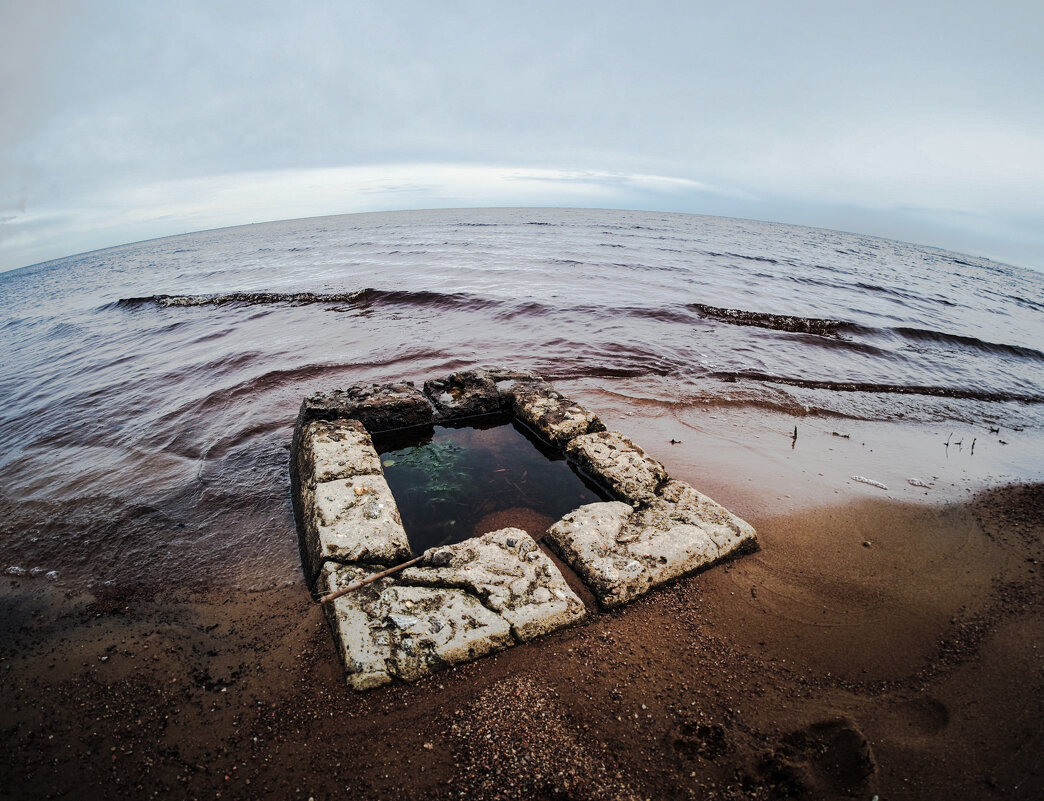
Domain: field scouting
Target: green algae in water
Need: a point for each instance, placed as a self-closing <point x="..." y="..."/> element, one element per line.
<point x="455" y="482"/>
<point x="437" y="464"/>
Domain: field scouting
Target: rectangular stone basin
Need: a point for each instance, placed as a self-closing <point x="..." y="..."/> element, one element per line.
<point x="468" y="475"/>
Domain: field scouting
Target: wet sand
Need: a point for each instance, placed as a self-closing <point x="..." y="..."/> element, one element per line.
<point x="882" y="641"/>
<point x="820" y="667"/>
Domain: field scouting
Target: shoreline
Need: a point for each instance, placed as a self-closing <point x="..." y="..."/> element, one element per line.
<point x="814" y="668"/>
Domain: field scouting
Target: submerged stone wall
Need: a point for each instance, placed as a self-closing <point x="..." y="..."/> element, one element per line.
<point x="466" y="600"/>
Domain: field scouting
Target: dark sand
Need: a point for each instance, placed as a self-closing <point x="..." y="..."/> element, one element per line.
<point x="819" y="667"/>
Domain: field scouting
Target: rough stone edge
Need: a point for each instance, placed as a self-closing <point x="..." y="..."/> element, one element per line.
<point x="526" y="544"/>
<point x="686" y="498"/>
<point x="364" y="679"/>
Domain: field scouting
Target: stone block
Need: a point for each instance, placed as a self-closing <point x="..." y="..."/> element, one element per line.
<point x="730" y="533"/>
<point x="551" y="415"/>
<point x="390" y="630"/>
<point x="351" y="520"/>
<point x="462" y="602"/>
<point x="507" y="381"/>
<point x="335" y="449"/>
<point x="621" y="553"/>
<point x="510" y="574"/>
<point x="617" y="463"/>
<point x="379" y="407"/>
<point x="465" y="394"/>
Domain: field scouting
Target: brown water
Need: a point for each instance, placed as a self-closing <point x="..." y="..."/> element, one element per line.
<point x="149" y="391"/>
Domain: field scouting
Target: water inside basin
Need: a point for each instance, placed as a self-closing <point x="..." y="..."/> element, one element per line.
<point x="455" y="482"/>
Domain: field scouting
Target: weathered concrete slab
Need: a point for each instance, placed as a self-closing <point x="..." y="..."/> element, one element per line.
<point x="549" y="413"/>
<point x="379" y="407"/>
<point x="351" y="520"/>
<point x="616" y="462"/>
<point x="462" y="602"/>
<point x="465" y="394"/>
<point x="621" y="552"/>
<point x="586" y="540"/>
<point x="730" y="533"/>
<point x="389" y="630"/>
<point x="331" y="449"/>
<point x="512" y="576"/>
<point x="507" y="381"/>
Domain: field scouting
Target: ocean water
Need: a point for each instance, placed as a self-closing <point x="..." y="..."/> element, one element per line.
<point x="149" y="390"/>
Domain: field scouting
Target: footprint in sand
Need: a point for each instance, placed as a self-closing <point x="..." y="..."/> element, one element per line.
<point x="826" y="759"/>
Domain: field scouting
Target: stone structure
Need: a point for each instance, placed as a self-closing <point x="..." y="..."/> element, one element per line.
<point x="461" y="602"/>
<point x="484" y="594"/>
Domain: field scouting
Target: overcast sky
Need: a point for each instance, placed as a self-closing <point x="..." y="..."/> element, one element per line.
<point x="122" y="121"/>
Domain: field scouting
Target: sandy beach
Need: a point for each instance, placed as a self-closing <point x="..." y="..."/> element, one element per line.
<point x="875" y="645"/>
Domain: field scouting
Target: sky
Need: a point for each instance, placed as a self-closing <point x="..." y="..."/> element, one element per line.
<point x="919" y="121"/>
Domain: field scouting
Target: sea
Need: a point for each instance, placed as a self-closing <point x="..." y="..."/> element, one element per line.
<point x="149" y="390"/>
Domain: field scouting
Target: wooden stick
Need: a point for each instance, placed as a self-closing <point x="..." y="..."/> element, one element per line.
<point x="369" y="580"/>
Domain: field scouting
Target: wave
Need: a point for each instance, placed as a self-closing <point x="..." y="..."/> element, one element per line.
<point x="364" y="299"/>
<point x="777" y="322"/>
<point x="361" y="298"/>
<point x="834" y="328"/>
<point x="928" y="335"/>
<point x="243" y="298"/>
<point x="899" y="294"/>
<point x="874" y="387"/>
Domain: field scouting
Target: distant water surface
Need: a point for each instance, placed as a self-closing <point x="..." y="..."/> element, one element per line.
<point x="148" y="389"/>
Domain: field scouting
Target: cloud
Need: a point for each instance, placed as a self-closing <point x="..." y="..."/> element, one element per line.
<point x="749" y="109"/>
<point x="167" y="207"/>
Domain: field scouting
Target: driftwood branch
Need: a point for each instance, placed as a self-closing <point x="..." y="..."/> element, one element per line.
<point x="369" y="580"/>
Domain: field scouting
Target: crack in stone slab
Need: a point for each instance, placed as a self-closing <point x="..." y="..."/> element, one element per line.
<point x="511" y="575"/>
<point x="621" y="552"/>
<point x="464" y="601"/>
<point x="388" y="630"/>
